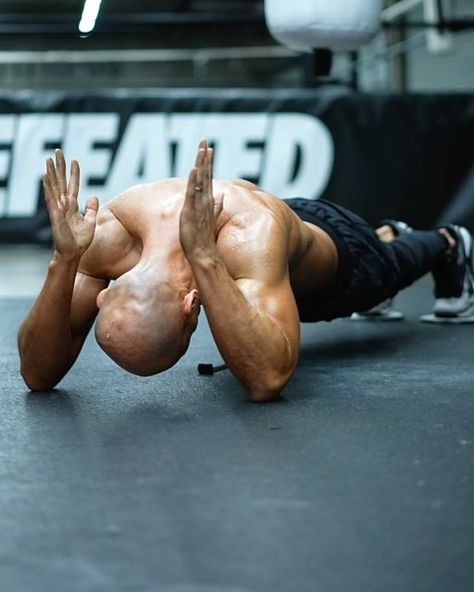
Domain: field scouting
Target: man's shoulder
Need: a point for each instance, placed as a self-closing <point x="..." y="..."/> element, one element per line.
<point x="257" y="228"/>
<point x="250" y="209"/>
<point x="110" y="249"/>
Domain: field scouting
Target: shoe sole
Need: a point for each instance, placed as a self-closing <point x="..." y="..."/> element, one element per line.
<point x="431" y="318"/>
<point x="393" y="315"/>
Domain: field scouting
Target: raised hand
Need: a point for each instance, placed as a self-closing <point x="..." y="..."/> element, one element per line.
<point x="72" y="231"/>
<point x="197" y="224"/>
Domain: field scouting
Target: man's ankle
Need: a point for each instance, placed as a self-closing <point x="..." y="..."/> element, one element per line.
<point x="451" y="240"/>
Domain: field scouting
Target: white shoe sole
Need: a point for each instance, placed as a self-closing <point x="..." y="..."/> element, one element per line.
<point x="431" y="318"/>
<point x="389" y="315"/>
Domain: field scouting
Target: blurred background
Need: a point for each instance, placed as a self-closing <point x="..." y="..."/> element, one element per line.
<point x="386" y="130"/>
<point x="215" y="43"/>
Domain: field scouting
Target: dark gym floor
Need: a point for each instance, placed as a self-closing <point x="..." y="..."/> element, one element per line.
<point x="359" y="479"/>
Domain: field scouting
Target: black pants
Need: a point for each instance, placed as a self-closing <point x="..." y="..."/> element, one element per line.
<point x="369" y="270"/>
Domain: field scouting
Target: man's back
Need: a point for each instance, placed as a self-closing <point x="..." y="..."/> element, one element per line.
<point x="146" y="218"/>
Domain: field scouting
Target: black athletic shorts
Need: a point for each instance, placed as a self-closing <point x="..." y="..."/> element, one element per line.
<point x="368" y="271"/>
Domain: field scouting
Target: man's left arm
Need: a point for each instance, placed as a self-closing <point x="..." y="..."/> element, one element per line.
<point x="253" y="318"/>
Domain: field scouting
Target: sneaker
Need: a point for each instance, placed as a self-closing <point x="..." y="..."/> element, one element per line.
<point x="454" y="277"/>
<point x="381" y="312"/>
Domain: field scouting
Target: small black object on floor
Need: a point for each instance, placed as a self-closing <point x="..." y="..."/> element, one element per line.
<point x="359" y="479"/>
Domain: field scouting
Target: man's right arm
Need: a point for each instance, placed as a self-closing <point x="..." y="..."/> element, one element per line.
<point x="52" y="335"/>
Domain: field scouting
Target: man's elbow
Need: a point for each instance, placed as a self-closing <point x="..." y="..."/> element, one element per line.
<point x="267" y="389"/>
<point x="263" y="396"/>
<point x="36" y="382"/>
<point x="39" y="386"/>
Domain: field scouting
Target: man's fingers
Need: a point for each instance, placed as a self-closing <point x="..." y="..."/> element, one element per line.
<point x="200" y="177"/>
<point x="92" y="207"/>
<point x="200" y="156"/>
<point x="207" y="172"/>
<point x="73" y="187"/>
<point x="48" y="192"/>
<point x="51" y="174"/>
<point x="203" y="165"/>
<point x="61" y="171"/>
<point x="201" y="180"/>
<point x="210" y="159"/>
<point x="191" y="186"/>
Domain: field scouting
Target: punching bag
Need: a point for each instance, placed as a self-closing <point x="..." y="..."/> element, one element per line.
<point x="304" y="25"/>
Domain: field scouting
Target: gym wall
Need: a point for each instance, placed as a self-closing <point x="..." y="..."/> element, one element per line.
<point x="452" y="70"/>
<point x="380" y="155"/>
<point x="381" y="151"/>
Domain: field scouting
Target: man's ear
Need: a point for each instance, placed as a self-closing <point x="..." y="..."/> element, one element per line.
<point x="191" y="302"/>
<point x="101" y="297"/>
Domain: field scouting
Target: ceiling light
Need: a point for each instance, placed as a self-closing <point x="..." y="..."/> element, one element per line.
<point x="89" y="15"/>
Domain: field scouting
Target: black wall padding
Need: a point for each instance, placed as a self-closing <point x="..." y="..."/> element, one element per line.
<point x="402" y="156"/>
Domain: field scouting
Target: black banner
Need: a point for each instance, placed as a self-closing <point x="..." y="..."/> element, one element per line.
<point x="381" y="156"/>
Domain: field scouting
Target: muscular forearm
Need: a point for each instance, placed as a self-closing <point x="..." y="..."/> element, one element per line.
<point x="44" y="339"/>
<point x="254" y="346"/>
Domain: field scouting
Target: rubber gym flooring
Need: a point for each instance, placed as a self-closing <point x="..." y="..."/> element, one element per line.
<point x="360" y="478"/>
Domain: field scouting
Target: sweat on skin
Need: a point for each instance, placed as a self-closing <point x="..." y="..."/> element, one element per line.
<point x="170" y="247"/>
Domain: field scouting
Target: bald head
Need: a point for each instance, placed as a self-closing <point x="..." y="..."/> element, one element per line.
<point x="144" y="328"/>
